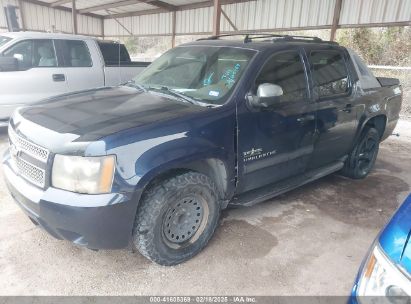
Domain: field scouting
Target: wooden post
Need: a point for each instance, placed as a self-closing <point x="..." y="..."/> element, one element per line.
<point x="336" y="19"/>
<point x="74" y="15"/>
<point x="173" y="29"/>
<point x="217" y="17"/>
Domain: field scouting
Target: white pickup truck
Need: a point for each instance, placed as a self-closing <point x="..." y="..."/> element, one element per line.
<point x="34" y="66"/>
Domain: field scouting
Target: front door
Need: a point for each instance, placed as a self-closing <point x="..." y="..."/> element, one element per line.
<point x="276" y="143"/>
<point x="38" y="76"/>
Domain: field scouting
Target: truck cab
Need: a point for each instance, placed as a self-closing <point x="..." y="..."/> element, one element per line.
<point x="209" y="124"/>
<point x="35" y="66"/>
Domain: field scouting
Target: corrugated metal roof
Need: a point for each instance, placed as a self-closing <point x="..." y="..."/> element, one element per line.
<point x="252" y="15"/>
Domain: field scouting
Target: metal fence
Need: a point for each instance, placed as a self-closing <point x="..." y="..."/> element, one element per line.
<point x="404" y="75"/>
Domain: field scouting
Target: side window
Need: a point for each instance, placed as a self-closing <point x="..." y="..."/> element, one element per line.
<point x="75" y="53"/>
<point x="33" y="53"/>
<point x="113" y="53"/>
<point x="287" y="71"/>
<point x="23" y="51"/>
<point x="330" y="75"/>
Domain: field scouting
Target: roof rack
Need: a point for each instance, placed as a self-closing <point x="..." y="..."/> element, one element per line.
<point x="249" y="37"/>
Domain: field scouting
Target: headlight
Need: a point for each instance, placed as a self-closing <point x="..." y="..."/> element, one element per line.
<point x="381" y="279"/>
<point x="92" y="175"/>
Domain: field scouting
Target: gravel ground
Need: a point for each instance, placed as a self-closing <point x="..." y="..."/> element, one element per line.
<point x="309" y="241"/>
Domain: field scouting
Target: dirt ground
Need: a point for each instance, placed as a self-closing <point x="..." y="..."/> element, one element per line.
<point x="309" y="241"/>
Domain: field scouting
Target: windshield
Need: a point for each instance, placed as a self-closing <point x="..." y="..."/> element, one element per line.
<point x="3" y="40"/>
<point x="203" y="73"/>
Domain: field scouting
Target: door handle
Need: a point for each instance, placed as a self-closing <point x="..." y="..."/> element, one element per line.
<point x="59" y="77"/>
<point x="348" y="108"/>
<point x="306" y="118"/>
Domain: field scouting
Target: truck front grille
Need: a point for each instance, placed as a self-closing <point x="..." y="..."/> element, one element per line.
<point x="24" y="167"/>
<point x="30" y="172"/>
<point x="28" y="147"/>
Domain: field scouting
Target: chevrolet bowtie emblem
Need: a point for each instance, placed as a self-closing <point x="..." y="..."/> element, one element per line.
<point x="14" y="151"/>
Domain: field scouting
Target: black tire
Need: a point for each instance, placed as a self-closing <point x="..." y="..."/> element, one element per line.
<point x="176" y="218"/>
<point x="362" y="158"/>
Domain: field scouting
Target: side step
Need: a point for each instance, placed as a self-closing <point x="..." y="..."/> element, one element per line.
<point x="267" y="192"/>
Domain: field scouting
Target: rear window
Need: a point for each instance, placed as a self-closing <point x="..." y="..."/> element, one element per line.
<point x="75" y="53"/>
<point x="4" y="40"/>
<point x="114" y="53"/>
<point x="330" y="74"/>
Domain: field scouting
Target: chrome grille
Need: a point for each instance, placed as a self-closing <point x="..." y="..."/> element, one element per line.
<point x="28" y="147"/>
<point x="30" y="172"/>
<point x="24" y="167"/>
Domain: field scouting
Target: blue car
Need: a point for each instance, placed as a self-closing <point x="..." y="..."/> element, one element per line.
<point x="387" y="269"/>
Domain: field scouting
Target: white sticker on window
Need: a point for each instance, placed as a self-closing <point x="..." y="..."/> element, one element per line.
<point x="214" y="93"/>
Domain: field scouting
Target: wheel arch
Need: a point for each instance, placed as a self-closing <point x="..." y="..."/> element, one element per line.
<point x="214" y="168"/>
<point x="378" y="122"/>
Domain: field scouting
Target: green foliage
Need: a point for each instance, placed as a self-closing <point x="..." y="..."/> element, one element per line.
<point x="379" y="46"/>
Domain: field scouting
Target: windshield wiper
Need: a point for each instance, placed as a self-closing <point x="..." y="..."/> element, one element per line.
<point x="136" y="85"/>
<point x="175" y="93"/>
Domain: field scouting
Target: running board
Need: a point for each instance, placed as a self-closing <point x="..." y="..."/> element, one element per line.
<point x="259" y="195"/>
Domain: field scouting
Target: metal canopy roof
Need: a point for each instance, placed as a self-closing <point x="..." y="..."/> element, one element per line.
<point x="110" y="18"/>
<point x="122" y="8"/>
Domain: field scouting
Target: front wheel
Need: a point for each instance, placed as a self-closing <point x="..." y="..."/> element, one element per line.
<point x="362" y="158"/>
<point x="176" y="218"/>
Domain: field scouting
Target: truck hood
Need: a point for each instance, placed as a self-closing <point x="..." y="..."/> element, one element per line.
<point x="91" y="115"/>
<point x="395" y="238"/>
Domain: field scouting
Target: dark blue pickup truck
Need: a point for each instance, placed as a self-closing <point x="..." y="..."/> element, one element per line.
<point x="212" y="123"/>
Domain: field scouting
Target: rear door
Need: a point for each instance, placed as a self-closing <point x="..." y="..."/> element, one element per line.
<point x="337" y="110"/>
<point x="38" y="76"/>
<point x="80" y="64"/>
<point x="276" y="143"/>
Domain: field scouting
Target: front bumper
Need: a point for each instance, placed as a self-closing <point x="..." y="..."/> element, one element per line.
<point x="102" y="221"/>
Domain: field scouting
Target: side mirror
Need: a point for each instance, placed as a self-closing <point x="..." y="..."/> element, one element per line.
<point x="268" y="94"/>
<point x="8" y="64"/>
<point x="19" y="57"/>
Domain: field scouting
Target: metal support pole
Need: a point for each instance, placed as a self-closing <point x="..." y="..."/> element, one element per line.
<point x="173" y="29"/>
<point x="217" y="17"/>
<point x="336" y="19"/>
<point x="102" y="28"/>
<point x="23" y="21"/>
<point x="74" y="15"/>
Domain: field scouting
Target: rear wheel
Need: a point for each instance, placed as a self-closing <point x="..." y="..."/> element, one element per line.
<point x="362" y="158"/>
<point x="176" y="218"/>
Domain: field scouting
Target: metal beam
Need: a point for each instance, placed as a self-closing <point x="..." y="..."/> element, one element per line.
<point x="216" y="17"/>
<point x="119" y="23"/>
<point x="60" y="2"/>
<point x="137" y="13"/>
<point x="336" y="19"/>
<point x="160" y="4"/>
<point x="229" y="20"/>
<point x="178" y="8"/>
<point x="107" y="6"/>
<point x="208" y="4"/>
<point x="62" y="8"/>
<point x="74" y="16"/>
